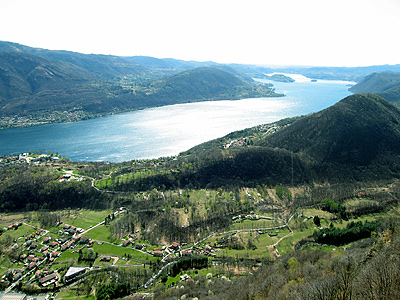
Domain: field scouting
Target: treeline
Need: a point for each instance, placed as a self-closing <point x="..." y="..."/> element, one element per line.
<point x="213" y="169"/>
<point x="189" y="263"/>
<point x="36" y="187"/>
<point x="340" y="236"/>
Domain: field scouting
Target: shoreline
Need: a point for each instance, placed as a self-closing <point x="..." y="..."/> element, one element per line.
<point x="76" y="116"/>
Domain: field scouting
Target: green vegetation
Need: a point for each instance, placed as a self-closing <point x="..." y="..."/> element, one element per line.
<point x="387" y="85"/>
<point x="57" y="86"/>
<point x="290" y="208"/>
<point x="354" y="231"/>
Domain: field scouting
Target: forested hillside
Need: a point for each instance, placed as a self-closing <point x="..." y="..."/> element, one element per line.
<point x="42" y="85"/>
<point x="387" y="85"/>
<point x="355" y="140"/>
<point x="102" y="66"/>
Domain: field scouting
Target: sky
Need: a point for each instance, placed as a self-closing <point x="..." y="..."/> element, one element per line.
<point x="265" y="32"/>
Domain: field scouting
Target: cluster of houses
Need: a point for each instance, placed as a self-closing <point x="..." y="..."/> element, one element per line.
<point x="11" y="160"/>
<point x="238" y="142"/>
<point x="175" y="248"/>
<point x="251" y="216"/>
<point x="71" y="230"/>
<point x="36" y="253"/>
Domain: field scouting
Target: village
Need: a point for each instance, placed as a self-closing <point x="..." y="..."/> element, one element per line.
<point x="39" y="252"/>
<point x="42" y="118"/>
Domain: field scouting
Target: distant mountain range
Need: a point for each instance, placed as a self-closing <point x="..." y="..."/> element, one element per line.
<point x="384" y="84"/>
<point x="37" y="81"/>
<point x="40" y="83"/>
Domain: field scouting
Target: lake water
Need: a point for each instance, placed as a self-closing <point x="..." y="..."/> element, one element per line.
<point x="169" y="130"/>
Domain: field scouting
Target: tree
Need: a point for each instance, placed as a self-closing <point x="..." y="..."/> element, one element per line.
<point x="317" y="221"/>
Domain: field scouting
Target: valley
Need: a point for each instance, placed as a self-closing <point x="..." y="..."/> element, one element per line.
<point x="242" y="207"/>
<point x="200" y="181"/>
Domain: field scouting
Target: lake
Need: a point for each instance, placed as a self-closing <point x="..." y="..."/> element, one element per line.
<point x="169" y="130"/>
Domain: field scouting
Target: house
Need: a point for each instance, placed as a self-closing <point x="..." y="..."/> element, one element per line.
<point x="186" y="253"/>
<point x="138" y="246"/>
<point x="46" y="240"/>
<point x="105" y="258"/>
<point x="126" y="243"/>
<point x="49" y="279"/>
<point x="73" y="272"/>
<point x="31" y="266"/>
<point x="174" y="246"/>
<point x="158" y="253"/>
<point x="53" y="244"/>
<point x="208" y="248"/>
<point x="84" y="240"/>
<point x="23" y="256"/>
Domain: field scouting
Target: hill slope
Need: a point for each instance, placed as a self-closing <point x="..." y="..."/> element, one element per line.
<point x="102" y="66"/>
<point x="356" y="139"/>
<point x="387" y="85"/>
<point x="354" y="132"/>
<point x="30" y="84"/>
<point x="205" y="83"/>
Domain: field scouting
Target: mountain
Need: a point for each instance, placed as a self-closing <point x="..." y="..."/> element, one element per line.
<point x="167" y="63"/>
<point x="384" y="84"/>
<point x="103" y="66"/>
<point x="31" y="84"/>
<point x="338" y="73"/>
<point x="202" y="84"/>
<point x="356" y="139"/>
<point x="353" y="132"/>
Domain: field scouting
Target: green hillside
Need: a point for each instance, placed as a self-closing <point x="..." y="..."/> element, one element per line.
<point x="354" y="131"/>
<point x="51" y="86"/>
<point x="355" y="140"/>
<point x="387" y="85"/>
<point x="102" y="66"/>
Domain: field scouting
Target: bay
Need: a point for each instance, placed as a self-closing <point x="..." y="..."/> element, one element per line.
<point x="169" y="130"/>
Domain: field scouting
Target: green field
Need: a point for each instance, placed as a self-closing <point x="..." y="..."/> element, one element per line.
<point x="101" y="233"/>
<point x="86" y="218"/>
<point x="255" y="224"/>
<point x="134" y="255"/>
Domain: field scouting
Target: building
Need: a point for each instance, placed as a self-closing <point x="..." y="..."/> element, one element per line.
<point x="49" y="279"/>
<point x="174" y="246"/>
<point x="126" y="243"/>
<point x="84" y="240"/>
<point x="157" y="253"/>
<point x="12" y="296"/>
<point x="73" y="272"/>
<point x="186" y="253"/>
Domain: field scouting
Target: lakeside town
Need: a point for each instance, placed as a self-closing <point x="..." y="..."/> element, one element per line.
<point x="43" y="118"/>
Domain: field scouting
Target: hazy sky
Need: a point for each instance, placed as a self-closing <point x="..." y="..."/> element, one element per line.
<point x="278" y="32"/>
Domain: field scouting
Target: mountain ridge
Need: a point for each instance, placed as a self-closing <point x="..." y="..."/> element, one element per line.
<point x="385" y="84"/>
<point x="354" y="140"/>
